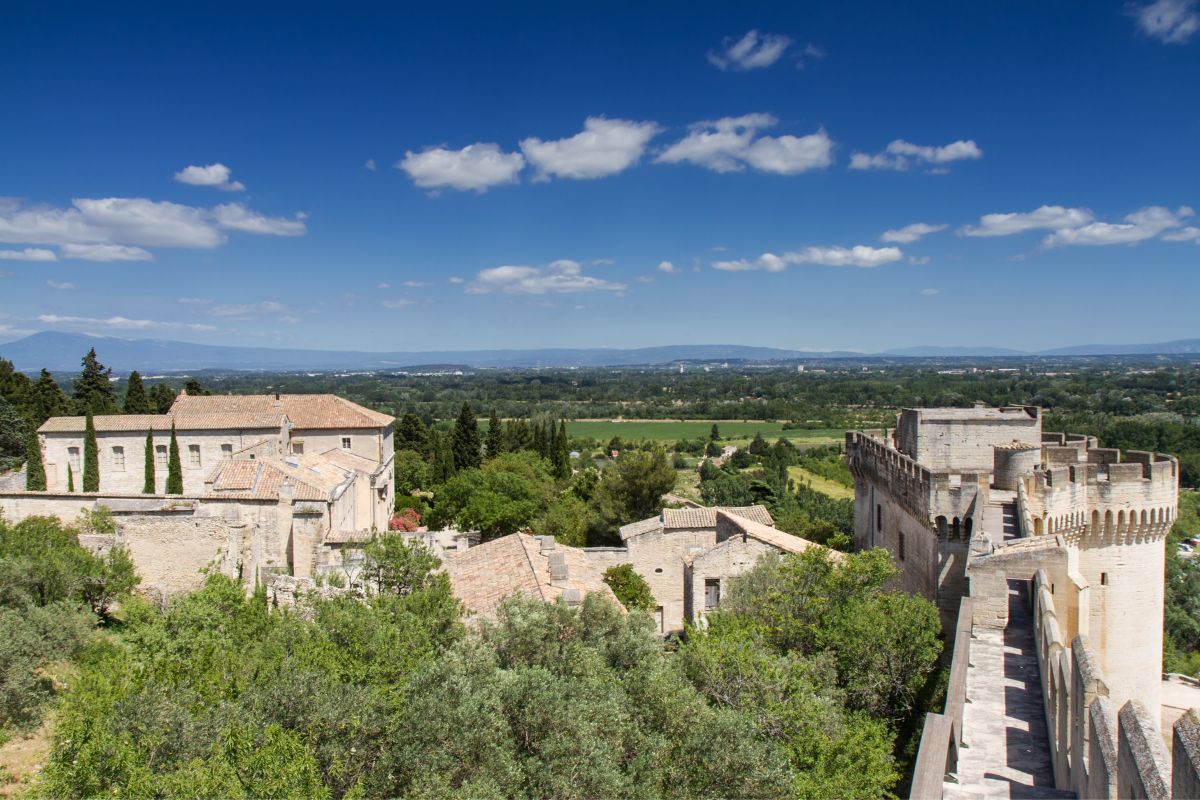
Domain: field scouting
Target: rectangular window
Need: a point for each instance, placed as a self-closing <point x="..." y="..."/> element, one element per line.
<point x="73" y="458"/>
<point x="345" y="442"/>
<point x="712" y="593"/>
<point x="193" y="455"/>
<point x="226" y="451"/>
<point x="658" y="618"/>
<point x="118" y="459"/>
<point x="160" y="456"/>
<point x="298" y="447"/>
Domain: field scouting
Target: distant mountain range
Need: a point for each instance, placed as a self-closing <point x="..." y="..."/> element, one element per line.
<point x="61" y="352"/>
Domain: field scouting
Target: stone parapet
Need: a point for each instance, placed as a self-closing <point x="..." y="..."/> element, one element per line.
<point x="871" y="457"/>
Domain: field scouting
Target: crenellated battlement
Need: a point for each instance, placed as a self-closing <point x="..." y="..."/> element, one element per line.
<point x="870" y="456"/>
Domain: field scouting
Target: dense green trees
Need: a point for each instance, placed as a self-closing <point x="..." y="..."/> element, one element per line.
<point x="630" y="588"/>
<point x="136" y="400"/>
<point x="632" y="489"/>
<point x="148" y="478"/>
<point x="465" y="441"/>
<point x="35" y="469"/>
<point x="14" y="430"/>
<point x="45" y="400"/>
<point x="93" y="388"/>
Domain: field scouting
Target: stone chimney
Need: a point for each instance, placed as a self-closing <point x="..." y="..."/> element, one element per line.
<point x="547" y="544"/>
<point x="558" y="570"/>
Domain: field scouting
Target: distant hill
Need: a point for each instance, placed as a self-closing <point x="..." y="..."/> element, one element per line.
<point x="61" y="352"/>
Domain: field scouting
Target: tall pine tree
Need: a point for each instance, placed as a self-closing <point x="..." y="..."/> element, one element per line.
<point x="35" y="471"/>
<point x="465" y="441"/>
<point x="495" y="436"/>
<point x="411" y="434"/>
<point x="174" y="466"/>
<point x="136" y="401"/>
<point x="46" y="399"/>
<point x="93" y="389"/>
<point x="148" y="482"/>
<point x="562" y="452"/>
<point x="91" y="456"/>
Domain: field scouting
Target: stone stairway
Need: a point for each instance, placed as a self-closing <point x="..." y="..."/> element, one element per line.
<point x="1006" y="752"/>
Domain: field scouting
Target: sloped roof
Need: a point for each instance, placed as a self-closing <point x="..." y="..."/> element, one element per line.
<point x="780" y="540"/>
<point x="140" y="423"/>
<point x="311" y="478"/>
<point x="484" y="576"/>
<point x="347" y="460"/>
<point x="693" y="519"/>
<point x="306" y="411"/>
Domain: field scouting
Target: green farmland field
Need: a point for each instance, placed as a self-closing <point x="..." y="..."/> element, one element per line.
<point x="732" y="431"/>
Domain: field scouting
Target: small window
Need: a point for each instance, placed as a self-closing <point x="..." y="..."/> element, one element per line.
<point x="298" y="447"/>
<point x="193" y="455"/>
<point x="1104" y="579"/>
<point x="73" y="458"/>
<point x="160" y="456"/>
<point x="901" y="546"/>
<point x="658" y="570"/>
<point x="712" y="593"/>
<point x="658" y="618"/>
<point x="118" y="459"/>
<point x="226" y="451"/>
<point x="879" y="518"/>
<point x="345" y="442"/>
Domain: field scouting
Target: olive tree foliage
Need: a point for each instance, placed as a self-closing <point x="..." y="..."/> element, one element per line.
<point x="630" y="588"/>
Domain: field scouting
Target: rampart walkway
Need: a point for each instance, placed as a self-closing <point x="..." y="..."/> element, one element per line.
<point x="1006" y="752"/>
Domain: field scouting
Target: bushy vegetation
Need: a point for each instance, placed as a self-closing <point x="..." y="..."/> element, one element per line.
<point x="53" y="593"/>
<point x="220" y="695"/>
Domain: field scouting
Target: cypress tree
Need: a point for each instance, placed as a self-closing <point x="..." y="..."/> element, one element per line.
<point x="35" y="471"/>
<point x="411" y="434"/>
<point x="495" y="436"/>
<point x="46" y="399"/>
<point x="562" y="452"/>
<point x="93" y="389"/>
<point x="174" y="466"/>
<point x="70" y="479"/>
<point x="91" y="456"/>
<point x="465" y="441"/>
<point x="148" y="485"/>
<point x="715" y="433"/>
<point x="136" y="401"/>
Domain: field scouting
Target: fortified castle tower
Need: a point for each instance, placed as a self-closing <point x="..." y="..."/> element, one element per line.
<point x="949" y="487"/>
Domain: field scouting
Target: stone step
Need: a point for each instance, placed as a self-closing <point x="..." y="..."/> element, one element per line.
<point x="1000" y="788"/>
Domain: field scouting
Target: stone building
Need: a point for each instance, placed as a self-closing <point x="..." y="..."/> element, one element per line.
<point x="1044" y="553"/>
<point x="272" y="484"/>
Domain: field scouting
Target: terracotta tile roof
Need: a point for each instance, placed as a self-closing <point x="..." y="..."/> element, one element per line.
<point x="483" y="576"/>
<point x="640" y="527"/>
<point x="693" y="519"/>
<point x="306" y="411"/>
<point x="347" y="460"/>
<point x="311" y="478"/>
<point x="781" y="540"/>
<point x="140" y="423"/>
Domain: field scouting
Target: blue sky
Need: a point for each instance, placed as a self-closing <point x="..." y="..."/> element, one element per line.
<point x="448" y="176"/>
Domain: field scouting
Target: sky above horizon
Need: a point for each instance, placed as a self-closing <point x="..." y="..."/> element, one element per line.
<point x="470" y="176"/>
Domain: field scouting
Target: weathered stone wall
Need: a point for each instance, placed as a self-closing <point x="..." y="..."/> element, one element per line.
<point x="170" y="551"/>
<point x="730" y="558"/>
<point x="659" y="557"/>
<point x="961" y="440"/>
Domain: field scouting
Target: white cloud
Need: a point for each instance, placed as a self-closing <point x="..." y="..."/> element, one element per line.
<point x="644" y="279"/>
<point x="1145" y="223"/>
<point x="669" y="268"/>
<point x="919" y="260"/>
<point x="105" y="252"/>
<point x="214" y="175"/>
<point x="383" y="286"/>
<point x="1042" y="218"/>
<point x="28" y="254"/>
<point x="400" y="303"/>
<point x="1170" y="21"/>
<point x="194" y="301"/>
<point x="752" y="51"/>
<point x="121" y="323"/>
<point x="476" y="167"/>
<point x="604" y="147"/>
<point x="416" y="284"/>
<point x="558" y="277"/>
<point x="857" y="256"/>
<point x="236" y="217"/>
<point x="248" y="309"/>
<point x="1189" y="234"/>
<point x="728" y="144"/>
<point x="900" y="155"/>
<point x="370" y="165"/>
<point x="930" y="292"/>
<point x="455" y="279"/>
<point x="911" y="233"/>
<point x="53" y="284"/>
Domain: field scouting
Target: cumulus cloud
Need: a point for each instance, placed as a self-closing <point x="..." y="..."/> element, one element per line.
<point x="730" y="143"/>
<point x="476" y="167"/>
<point x="383" y="286"/>
<point x="751" y="51"/>
<point x="124" y="225"/>
<point x="669" y="268"/>
<point x="1170" y="21"/>
<point x="919" y="260"/>
<point x="370" y="165"/>
<point x="398" y="303"/>
<point x="105" y="252"/>
<point x="857" y="256"/>
<point x="455" y="279"/>
<point x="911" y="233"/>
<point x="558" y="277"/>
<point x="28" y="254"/>
<point x="416" y="284"/>
<point x="65" y="285"/>
<point x="236" y="217"/>
<point x="214" y="175"/>
<point x="1189" y="234"/>
<point x="1042" y="218"/>
<point x="901" y="155"/>
<point x="1145" y="223"/>
<point x="122" y="323"/>
<point x="603" y="147"/>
